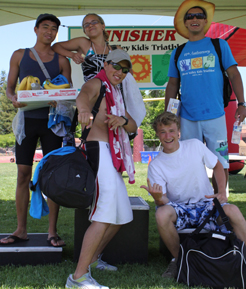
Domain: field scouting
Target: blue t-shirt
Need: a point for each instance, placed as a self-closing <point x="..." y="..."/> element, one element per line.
<point x="201" y="78"/>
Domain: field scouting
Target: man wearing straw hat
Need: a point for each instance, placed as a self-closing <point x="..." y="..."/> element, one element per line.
<point x="202" y="108"/>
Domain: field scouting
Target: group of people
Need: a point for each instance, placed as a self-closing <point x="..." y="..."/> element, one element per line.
<point x="177" y="178"/>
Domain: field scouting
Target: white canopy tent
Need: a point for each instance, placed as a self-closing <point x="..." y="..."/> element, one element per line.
<point x="13" y="11"/>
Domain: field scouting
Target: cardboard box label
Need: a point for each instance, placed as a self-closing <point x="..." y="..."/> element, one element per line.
<point x="40" y="98"/>
<point x="53" y="94"/>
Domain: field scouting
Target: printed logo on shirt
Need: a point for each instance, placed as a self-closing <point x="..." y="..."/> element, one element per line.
<point x="185" y="65"/>
<point x="197" y="65"/>
<point x="209" y="61"/>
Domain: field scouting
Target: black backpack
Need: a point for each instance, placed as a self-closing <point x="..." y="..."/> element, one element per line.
<point x="227" y="90"/>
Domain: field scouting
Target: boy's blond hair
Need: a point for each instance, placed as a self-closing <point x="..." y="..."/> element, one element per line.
<point x="166" y="118"/>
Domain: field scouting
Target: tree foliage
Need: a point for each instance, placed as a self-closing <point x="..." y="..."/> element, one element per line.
<point x="153" y="108"/>
<point x="7" y="110"/>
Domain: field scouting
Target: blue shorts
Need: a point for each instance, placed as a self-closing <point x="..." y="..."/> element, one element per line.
<point x="213" y="132"/>
<point x="192" y="215"/>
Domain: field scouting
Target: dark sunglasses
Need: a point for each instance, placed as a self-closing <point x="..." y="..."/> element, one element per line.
<point x="93" y="22"/>
<point x="191" y="16"/>
<point x="117" y="66"/>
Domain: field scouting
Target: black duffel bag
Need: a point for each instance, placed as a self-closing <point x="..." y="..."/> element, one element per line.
<point x="214" y="260"/>
<point x="68" y="180"/>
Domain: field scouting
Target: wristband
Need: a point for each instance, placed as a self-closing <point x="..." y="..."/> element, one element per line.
<point x="242" y="103"/>
<point x="125" y="118"/>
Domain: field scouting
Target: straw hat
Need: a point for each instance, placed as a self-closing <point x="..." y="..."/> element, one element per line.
<point x="186" y="6"/>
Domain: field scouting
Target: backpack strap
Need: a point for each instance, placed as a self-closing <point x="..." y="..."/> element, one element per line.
<point x="216" y="44"/>
<point x="227" y="89"/>
<point x="94" y="111"/>
<point x="224" y="218"/>
<point x="177" y="54"/>
<point x="74" y="122"/>
<point x="176" y="57"/>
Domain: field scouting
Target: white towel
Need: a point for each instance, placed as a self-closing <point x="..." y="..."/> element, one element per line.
<point x="133" y="99"/>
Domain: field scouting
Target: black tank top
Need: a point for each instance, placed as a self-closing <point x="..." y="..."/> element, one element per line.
<point x="28" y="66"/>
<point x="92" y="65"/>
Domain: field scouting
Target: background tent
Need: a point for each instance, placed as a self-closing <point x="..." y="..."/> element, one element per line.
<point x="236" y="38"/>
<point x="11" y="11"/>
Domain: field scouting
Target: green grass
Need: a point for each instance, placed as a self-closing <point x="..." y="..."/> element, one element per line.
<point x="134" y="276"/>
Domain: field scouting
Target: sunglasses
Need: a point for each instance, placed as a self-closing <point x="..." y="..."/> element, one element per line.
<point x="93" y="22"/>
<point x="117" y="66"/>
<point x="191" y="16"/>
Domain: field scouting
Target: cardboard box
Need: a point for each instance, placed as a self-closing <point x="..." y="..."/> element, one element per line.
<point x="40" y="98"/>
<point x="242" y="148"/>
<point x="174" y="106"/>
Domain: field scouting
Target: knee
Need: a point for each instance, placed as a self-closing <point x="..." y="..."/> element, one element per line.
<point x="165" y="215"/>
<point x="23" y="176"/>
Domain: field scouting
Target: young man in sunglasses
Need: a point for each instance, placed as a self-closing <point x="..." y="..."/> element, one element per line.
<point x="202" y="107"/>
<point x="109" y="153"/>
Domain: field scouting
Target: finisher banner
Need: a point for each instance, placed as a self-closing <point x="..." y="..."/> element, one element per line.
<point x="149" y="47"/>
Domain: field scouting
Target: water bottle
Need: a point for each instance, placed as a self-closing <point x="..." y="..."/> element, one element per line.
<point x="236" y="133"/>
<point x="35" y="86"/>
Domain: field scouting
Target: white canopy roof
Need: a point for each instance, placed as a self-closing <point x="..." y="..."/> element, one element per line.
<point x="12" y="11"/>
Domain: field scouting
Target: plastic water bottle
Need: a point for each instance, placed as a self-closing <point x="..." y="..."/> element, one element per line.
<point x="236" y="133"/>
<point x="35" y="86"/>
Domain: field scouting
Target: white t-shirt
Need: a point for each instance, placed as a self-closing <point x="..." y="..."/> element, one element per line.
<point x="182" y="174"/>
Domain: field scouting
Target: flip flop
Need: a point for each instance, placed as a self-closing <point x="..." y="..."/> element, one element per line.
<point x="15" y="238"/>
<point x="55" y="238"/>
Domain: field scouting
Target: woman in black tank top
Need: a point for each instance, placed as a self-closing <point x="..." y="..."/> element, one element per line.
<point x="90" y="52"/>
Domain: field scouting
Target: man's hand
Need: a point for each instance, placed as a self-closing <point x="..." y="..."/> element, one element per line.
<point x="156" y="193"/>
<point x="241" y="111"/>
<point x="85" y="118"/>
<point x="16" y="103"/>
<point x="114" y="121"/>
<point x="221" y="196"/>
<point x="52" y="103"/>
